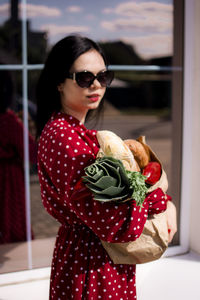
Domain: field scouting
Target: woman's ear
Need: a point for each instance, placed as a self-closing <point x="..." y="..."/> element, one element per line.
<point x="60" y="87"/>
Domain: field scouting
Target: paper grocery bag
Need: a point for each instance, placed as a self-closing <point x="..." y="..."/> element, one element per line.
<point x="153" y="241"/>
<point x="150" y="246"/>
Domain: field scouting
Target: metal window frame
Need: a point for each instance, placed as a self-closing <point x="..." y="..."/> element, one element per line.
<point x="187" y="123"/>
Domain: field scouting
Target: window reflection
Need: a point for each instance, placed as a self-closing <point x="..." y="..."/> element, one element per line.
<point x="4" y="11"/>
<point x="10" y="33"/>
<point x="133" y="32"/>
<point x="141" y="90"/>
<point x="129" y="30"/>
<point x="12" y="190"/>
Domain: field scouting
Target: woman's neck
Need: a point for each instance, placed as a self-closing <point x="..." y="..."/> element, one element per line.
<point x="77" y="115"/>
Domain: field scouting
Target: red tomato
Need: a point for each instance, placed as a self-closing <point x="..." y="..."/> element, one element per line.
<point x="153" y="172"/>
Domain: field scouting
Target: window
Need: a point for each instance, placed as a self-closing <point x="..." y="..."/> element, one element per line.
<point x="144" y="44"/>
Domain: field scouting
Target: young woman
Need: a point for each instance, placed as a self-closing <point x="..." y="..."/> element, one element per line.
<point x="72" y="83"/>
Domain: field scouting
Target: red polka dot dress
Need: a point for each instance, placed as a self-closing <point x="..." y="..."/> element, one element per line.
<point x="81" y="268"/>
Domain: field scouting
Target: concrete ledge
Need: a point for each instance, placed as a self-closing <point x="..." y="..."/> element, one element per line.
<point x="32" y="285"/>
<point x="24" y="276"/>
<point x="168" y="278"/>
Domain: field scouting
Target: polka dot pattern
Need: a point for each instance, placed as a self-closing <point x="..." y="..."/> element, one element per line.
<point x="81" y="268"/>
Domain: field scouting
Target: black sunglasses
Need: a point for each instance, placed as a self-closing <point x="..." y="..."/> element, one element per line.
<point x="85" y="78"/>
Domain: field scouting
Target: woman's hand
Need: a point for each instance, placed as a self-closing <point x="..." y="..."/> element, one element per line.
<point x="171" y="220"/>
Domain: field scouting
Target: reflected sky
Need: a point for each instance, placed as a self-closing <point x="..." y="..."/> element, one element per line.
<point x="148" y="25"/>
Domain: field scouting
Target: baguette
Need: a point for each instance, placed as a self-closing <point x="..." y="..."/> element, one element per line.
<point x="113" y="145"/>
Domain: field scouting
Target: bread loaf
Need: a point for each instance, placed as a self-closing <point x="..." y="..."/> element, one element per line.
<point x="113" y="145"/>
<point x="141" y="153"/>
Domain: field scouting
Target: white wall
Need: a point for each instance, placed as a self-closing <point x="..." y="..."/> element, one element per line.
<point x="195" y="155"/>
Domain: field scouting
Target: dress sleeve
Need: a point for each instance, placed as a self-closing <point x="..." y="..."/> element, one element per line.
<point x="115" y="222"/>
<point x="62" y="196"/>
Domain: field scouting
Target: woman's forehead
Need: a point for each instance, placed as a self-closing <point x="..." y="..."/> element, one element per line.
<point x="90" y="61"/>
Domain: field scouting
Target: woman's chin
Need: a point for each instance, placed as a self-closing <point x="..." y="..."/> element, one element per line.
<point x="94" y="105"/>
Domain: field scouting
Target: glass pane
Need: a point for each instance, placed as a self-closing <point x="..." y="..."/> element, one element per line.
<point x="44" y="226"/>
<point x="13" y="246"/>
<point x="132" y="32"/>
<point x="10" y="32"/>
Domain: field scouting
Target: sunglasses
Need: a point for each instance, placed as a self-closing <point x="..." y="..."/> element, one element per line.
<point x="85" y="78"/>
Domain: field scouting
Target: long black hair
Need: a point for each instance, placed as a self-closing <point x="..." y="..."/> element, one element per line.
<point x="58" y="64"/>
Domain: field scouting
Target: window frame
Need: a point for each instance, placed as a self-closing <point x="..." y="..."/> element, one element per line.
<point x="187" y="128"/>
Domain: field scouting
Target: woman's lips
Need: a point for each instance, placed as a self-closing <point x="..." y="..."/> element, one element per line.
<point x="94" y="97"/>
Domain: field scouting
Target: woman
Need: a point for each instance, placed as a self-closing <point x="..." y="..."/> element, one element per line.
<point x="73" y="83"/>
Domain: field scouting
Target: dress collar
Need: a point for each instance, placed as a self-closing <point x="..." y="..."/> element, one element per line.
<point x="74" y="122"/>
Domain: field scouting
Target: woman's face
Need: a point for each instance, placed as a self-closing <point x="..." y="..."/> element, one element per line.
<point x="75" y="100"/>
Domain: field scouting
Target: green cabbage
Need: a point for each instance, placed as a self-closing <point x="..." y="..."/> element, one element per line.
<point x="109" y="181"/>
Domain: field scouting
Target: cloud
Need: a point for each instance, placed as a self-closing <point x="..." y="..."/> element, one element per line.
<point x="74" y="9"/>
<point x="155" y="45"/>
<point x="90" y="17"/>
<point x="54" y="29"/>
<point x="140" y="16"/>
<point x="135" y="9"/>
<point x="132" y="9"/>
<point x="107" y="11"/>
<point x="129" y="24"/>
<point x="32" y="10"/>
<point x="42" y="11"/>
<point x="4" y="10"/>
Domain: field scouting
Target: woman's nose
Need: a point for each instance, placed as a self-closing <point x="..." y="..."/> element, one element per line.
<point x="95" y="84"/>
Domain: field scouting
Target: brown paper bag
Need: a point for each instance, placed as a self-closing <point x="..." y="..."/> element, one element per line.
<point x="150" y="246"/>
<point x="153" y="241"/>
<point x="162" y="182"/>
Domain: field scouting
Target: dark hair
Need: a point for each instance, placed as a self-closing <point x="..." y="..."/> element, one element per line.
<point x="6" y="90"/>
<point x="58" y="64"/>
